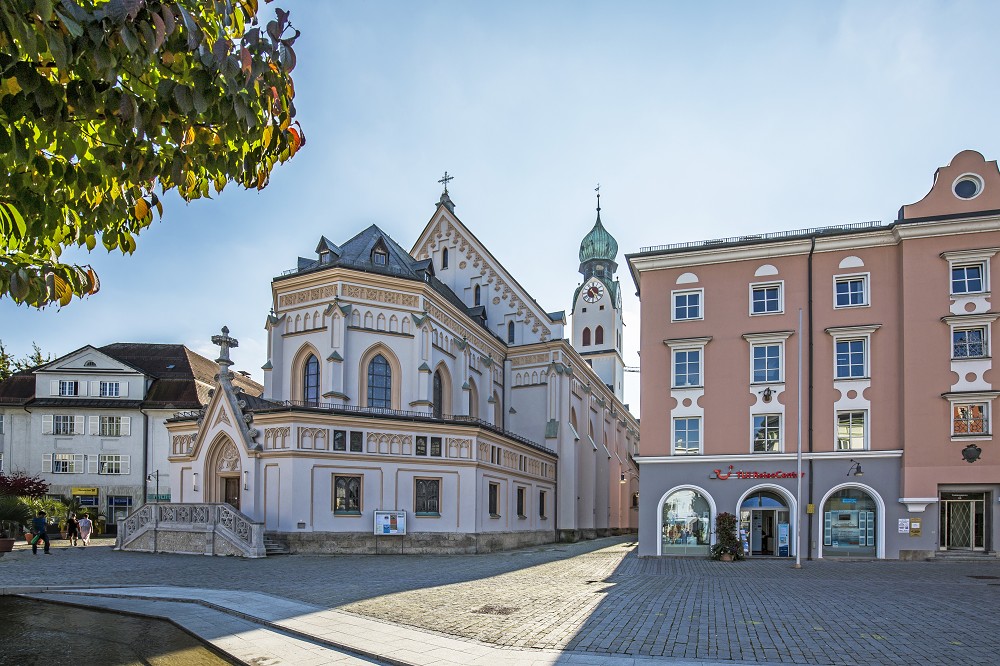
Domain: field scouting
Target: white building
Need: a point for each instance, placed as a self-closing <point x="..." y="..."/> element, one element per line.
<point x="90" y="423"/>
<point x="426" y="383"/>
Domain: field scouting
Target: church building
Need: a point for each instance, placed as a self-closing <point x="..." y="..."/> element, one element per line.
<point x="420" y="401"/>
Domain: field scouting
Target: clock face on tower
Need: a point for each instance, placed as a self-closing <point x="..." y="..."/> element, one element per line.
<point x="593" y="291"/>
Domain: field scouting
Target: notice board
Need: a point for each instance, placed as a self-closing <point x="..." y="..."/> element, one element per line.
<point x="390" y="522"/>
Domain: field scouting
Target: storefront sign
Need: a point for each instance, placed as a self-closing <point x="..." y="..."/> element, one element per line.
<point x="915" y="527"/>
<point x="162" y="497"/>
<point x="719" y="475"/>
<point x="390" y="522"/>
<point x="904" y="525"/>
<point x="83" y="491"/>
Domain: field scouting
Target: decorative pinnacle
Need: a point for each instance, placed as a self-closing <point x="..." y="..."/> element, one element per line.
<point x="225" y="344"/>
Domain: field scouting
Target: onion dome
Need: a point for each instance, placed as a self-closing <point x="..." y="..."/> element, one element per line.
<point x="598" y="244"/>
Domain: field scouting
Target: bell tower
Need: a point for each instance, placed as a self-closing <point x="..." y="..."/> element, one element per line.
<point x="597" y="306"/>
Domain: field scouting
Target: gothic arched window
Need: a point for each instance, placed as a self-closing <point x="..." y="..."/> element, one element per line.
<point x="477" y="293"/>
<point x="444" y="258"/>
<point x="599" y="335"/>
<point x="379" y="383"/>
<point x="510" y="332"/>
<point x="310" y="381"/>
<point x="438" y="395"/>
<point x="586" y="337"/>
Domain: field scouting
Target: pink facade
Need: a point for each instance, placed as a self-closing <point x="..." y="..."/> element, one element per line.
<point x="895" y="344"/>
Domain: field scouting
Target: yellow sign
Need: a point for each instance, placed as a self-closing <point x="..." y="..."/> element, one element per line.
<point x="84" y="491"/>
<point x="915" y="527"/>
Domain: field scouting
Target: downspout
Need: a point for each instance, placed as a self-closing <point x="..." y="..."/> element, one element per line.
<point x="145" y="457"/>
<point x="809" y="409"/>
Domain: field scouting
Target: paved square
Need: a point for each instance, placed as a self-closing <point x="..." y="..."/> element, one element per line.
<point x="598" y="597"/>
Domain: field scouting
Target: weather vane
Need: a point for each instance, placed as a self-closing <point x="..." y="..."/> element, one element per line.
<point x="598" y="190"/>
<point x="447" y="179"/>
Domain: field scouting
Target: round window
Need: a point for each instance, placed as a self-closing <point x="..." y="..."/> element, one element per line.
<point x="968" y="186"/>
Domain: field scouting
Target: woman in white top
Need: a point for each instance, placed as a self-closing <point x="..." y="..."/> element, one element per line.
<point x="86" y="527"/>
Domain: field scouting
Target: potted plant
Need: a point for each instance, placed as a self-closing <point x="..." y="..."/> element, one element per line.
<point x="728" y="546"/>
<point x="16" y="490"/>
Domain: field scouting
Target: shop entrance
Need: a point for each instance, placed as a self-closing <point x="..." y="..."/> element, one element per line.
<point x="764" y="525"/>
<point x="963" y="521"/>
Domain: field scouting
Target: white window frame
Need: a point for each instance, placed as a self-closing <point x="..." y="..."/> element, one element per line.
<point x="69" y="419"/>
<point x="780" y="286"/>
<point x="673" y="432"/>
<point x="865" y="279"/>
<point x="109" y="426"/>
<point x="781" y="432"/>
<point x="69" y="463"/>
<point x="985" y="330"/>
<point x="107" y="463"/>
<point x="966" y="258"/>
<point x="982" y="399"/>
<point x="687" y="292"/>
<point x="701" y="367"/>
<point x="781" y="363"/>
<point x="848" y="333"/>
<point x="107" y="392"/>
<point x="2" y="418"/>
<point x="865" y="429"/>
<point x="967" y="323"/>
<point x="865" y="373"/>
<point x="65" y="384"/>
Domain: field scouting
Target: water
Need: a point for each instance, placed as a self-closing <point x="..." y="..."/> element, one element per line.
<point x="35" y="633"/>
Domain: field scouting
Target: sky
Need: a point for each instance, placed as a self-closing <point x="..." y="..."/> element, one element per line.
<point x="699" y="121"/>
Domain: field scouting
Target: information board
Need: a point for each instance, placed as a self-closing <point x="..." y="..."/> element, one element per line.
<point x="390" y="522"/>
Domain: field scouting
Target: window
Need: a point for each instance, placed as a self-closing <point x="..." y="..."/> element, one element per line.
<point x="765" y="299"/>
<point x="67" y="463"/>
<point x="968" y="278"/>
<point x="968" y="342"/>
<point x="357" y="441"/>
<point x="347" y="495"/>
<point x="427" y="493"/>
<point x="685" y="524"/>
<point x="63" y="425"/>
<point x="436" y="447"/>
<point x="687" y="367"/>
<point x="520" y="503"/>
<point x="112" y="464"/>
<point x="850" y="291"/>
<point x="339" y="440"/>
<point x="766" y="433"/>
<point x="851" y="359"/>
<point x="380" y="257"/>
<point x="496" y="455"/>
<point x="444" y="258"/>
<point x="766" y="363"/>
<point x="477" y="295"/>
<point x="111" y="426"/>
<point x="541" y="504"/>
<point x="599" y="335"/>
<point x="494" y="500"/>
<point x="687" y="305"/>
<point x="849" y="524"/>
<point x="510" y="332"/>
<point x="310" y="381"/>
<point x="586" y="337"/>
<point x="970" y="419"/>
<point x="437" y="395"/>
<point x="69" y="388"/>
<point x="110" y="389"/>
<point x="421" y="448"/>
<point x="851" y="431"/>
<point x="687" y="436"/>
<point x="1" y="423"/>
<point x="379" y="383"/>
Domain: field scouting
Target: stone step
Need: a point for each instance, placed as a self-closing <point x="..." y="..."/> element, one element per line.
<point x="964" y="556"/>
<point x="272" y="547"/>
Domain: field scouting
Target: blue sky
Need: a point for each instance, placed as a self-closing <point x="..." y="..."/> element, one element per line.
<point x="699" y="120"/>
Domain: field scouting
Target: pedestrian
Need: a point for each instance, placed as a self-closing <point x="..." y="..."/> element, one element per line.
<point x="72" y="529"/>
<point x="38" y="527"/>
<point x="86" y="527"/>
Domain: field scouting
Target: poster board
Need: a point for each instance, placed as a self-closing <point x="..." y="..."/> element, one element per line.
<point x="389" y="523"/>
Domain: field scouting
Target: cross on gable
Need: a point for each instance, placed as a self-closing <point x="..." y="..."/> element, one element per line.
<point x="225" y="343"/>
<point x="447" y="179"/>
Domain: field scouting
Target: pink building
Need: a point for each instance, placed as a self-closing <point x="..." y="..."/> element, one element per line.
<point x="897" y="389"/>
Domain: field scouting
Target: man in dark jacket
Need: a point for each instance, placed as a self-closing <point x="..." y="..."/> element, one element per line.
<point x="38" y="527"/>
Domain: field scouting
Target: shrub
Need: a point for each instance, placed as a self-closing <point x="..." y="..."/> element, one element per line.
<point x="727" y="537"/>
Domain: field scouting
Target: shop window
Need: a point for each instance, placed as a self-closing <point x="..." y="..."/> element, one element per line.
<point x="849" y="521"/>
<point x="685" y="524"/>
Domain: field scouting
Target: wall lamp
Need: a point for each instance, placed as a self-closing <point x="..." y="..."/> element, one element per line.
<point x="855" y="469"/>
<point x="246" y="480"/>
<point x="194" y="481"/>
<point x="623" y="477"/>
<point x="767" y="394"/>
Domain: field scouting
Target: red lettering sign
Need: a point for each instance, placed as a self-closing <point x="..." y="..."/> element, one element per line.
<point x="719" y="475"/>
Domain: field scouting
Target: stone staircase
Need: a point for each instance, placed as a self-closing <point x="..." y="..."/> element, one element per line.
<point x="274" y="547"/>
<point x="963" y="556"/>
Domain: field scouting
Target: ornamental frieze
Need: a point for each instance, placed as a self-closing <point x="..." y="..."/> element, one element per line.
<point x="316" y="294"/>
<point x="529" y="359"/>
<point x="182" y="444"/>
<point x="380" y="295"/>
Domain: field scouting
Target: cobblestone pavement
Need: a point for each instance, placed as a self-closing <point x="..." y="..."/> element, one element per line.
<point x="598" y="597"/>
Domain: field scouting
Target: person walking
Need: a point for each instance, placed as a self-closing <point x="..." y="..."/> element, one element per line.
<point x="38" y="527"/>
<point x="72" y="529"/>
<point x="86" y="527"/>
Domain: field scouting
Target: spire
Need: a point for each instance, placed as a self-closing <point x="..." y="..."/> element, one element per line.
<point x="598" y="244"/>
<point x="445" y="199"/>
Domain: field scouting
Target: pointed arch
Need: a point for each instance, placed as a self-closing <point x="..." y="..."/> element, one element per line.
<point x="385" y="378"/>
<point x="586" y="337"/>
<point x="223" y="460"/>
<point x="298" y="323"/>
<point x="441" y="394"/>
<point x="599" y="335"/>
<point x="473" y="399"/>
<point x="393" y="324"/>
<point x="406" y="324"/>
<point x="477" y="296"/>
<point x="356" y="318"/>
<point x="380" y="322"/>
<point x="497" y="410"/>
<point x="297" y="389"/>
<point x="444" y="258"/>
<point x="510" y="332"/>
<point x="305" y="322"/>
<point x="369" y="320"/>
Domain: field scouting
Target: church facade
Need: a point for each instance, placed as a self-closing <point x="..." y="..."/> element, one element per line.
<point x="422" y="401"/>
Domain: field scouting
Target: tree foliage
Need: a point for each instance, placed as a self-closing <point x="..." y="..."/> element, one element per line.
<point x="19" y="484"/>
<point x="9" y="365"/>
<point x="104" y="103"/>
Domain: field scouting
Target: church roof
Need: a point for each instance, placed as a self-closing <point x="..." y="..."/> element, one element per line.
<point x="598" y="244"/>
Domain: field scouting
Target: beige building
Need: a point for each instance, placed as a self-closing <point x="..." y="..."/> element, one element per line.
<point x="896" y="387"/>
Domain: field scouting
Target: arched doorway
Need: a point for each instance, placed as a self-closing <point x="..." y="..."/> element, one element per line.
<point x="686" y="516"/>
<point x="852" y="523"/>
<point x="765" y="525"/>
<point x="224" y="471"/>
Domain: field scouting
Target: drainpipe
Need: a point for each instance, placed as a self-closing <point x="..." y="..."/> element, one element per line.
<point x="145" y="456"/>
<point x="809" y="438"/>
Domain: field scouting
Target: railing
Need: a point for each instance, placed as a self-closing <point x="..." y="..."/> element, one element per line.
<point x="776" y="235"/>
<point x="244" y="536"/>
<point x="358" y="264"/>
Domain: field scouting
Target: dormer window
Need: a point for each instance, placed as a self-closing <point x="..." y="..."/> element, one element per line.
<point x="324" y="257"/>
<point x="380" y="254"/>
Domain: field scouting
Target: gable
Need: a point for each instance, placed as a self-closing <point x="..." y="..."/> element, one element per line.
<point x="88" y="359"/>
